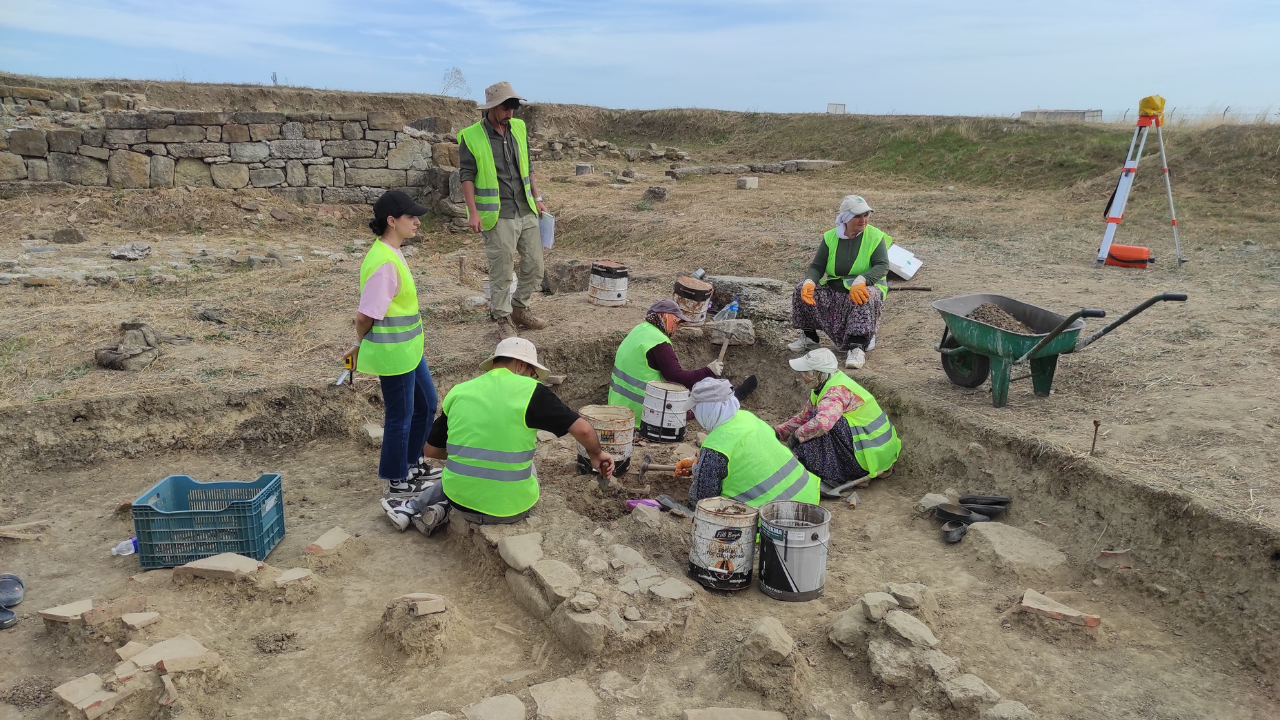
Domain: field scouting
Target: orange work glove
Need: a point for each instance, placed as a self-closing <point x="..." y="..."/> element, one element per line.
<point x="806" y="293"/>
<point x="684" y="468"/>
<point x="858" y="293"/>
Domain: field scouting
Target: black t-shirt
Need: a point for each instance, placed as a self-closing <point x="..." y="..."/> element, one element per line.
<point x="546" y="411"/>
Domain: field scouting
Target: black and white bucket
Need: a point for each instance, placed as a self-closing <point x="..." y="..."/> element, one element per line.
<point x="666" y="404"/>
<point x="794" y="539"/>
<point x="722" y="553"/>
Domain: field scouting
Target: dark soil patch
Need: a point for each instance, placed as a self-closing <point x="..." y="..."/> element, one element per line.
<point x="277" y="642"/>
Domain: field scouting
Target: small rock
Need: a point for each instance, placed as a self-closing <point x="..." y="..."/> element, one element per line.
<point x="748" y="183"/>
<point x="627" y="556"/>
<point x="672" y="589"/>
<point x="1007" y="710"/>
<point x="521" y="551"/>
<point x="584" y="602"/>
<point x="595" y="564"/>
<point x="656" y="193"/>
<point x="969" y="691"/>
<point x="929" y="502"/>
<point x="768" y="642"/>
<point x="875" y="605"/>
<point x="499" y="707"/>
<point x="558" y="580"/>
<point x="1038" y="604"/>
<point x="328" y="543"/>
<point x="280" y="215"/>
<point x="631" y="613"/>
<point x="131" y="251"/>
<point x="647" y="515"/>
<point x="137" y="621"/>
<point x="849" y="632"/>
<point x="565" y="699"/>
<point x="910" y="629"/>
<point x="69" y="236"/>
<point x="373" y="433"/>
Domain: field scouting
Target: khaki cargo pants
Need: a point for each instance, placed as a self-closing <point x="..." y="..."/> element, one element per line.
<point x="501" y="243"/>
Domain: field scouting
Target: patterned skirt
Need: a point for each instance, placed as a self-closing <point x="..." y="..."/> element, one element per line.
<point x="847" y="324"/>
<point x="831" y="456"/>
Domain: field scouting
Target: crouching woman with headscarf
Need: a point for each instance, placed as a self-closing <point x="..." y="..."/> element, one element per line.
<point x="741" y="457"/>
<point x="841" y="435"/>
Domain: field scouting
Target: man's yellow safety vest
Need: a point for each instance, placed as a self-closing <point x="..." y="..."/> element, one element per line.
<point x="490" y="465"/>
<point x="631" y="371"/>
<point x="393" y="346"/>
<point x="761" y="469"/>
<point x="487" y="201"/>
<point x="875" y="440"/>
<point x="872" y="236"/>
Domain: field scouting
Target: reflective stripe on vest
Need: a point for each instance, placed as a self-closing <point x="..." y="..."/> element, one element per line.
<point x="393" y="346"/>
<point x="875" y="440"/>
<point x="871" y="237"/>
<point x="488" y="204"/>
<point x="761" y="469"/>
<point x="631" y="371"/>
<point x="490" y="449"/>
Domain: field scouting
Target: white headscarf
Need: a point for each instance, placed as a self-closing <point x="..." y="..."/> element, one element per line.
<point x="714" y="402"/>
<point x="841" y="220"/>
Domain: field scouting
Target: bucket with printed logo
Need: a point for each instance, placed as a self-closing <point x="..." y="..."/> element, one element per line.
<point x="722" y="552"/>
<point x="794" y="540"/>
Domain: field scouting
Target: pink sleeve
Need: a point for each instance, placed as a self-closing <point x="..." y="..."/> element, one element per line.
<point x="379" y="290"/>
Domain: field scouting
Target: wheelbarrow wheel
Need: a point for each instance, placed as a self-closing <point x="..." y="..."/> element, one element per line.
<point x="966" y="369"/>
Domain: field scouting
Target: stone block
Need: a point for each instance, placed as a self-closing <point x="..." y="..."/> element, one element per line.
<point x="266" y="177"/>
<point x="199" y="150"/>
<point x="69" y="613"/>
<point x="584" y="169"/>
<point x="249" y="152"/>
<point x="1016" y="550"/>
<point x="364" y="163"/>
<point x="1038" y="604"/>
<point x="672" y="589"/>
<point x="189" y="663"/>
<point x="113" y="610"/>
<point x="235" y="133"/>
<point x="521" y="551"/>
<point x="875" y="605"/>
<point x="319" y="175"/>
<point x="93" y="137"/>
<point x="291" y="131"/>
<point x="328" y="543"/>
<point x="446" y="154"/>
<point x="1007" y="710"/>
<point x="384" y="121"/>
<point x="139" y="620"/>
<point x="416" y="178"/>
<point x="67" y="141"/>
<point x="259" y="118"/>
<point x="151" y="148"/>
<point x="894" y="664"/>
<point x="299" y="195"/>
<point x="264" y="132"/>
<point x="849" y="632"/>
<point x="28" y="142"/>
<point x="376" y="177"/>
<point x="581" y="632"/>
<point x="74" y="169"/>
<point x="559" y="581"/>
<point x="352" y="131"/>
<point x="748" y="183"/>
<point x="182" y="646"/>
<point x="410" y="154"/>
<point x="178" y="134"/>
<point x="12" y="167"/>
<point x="380" y="135"/>
<point x="128" y="170"/>
<point x="192" y="172"/>
<point x="565" y="699"/>
<point x="350" y="148"/>
<point x="130" y="650"/>
<point x="969" y="691"/>
<point x="125" y="137"/>
<point x="526" y="593"/>
<point x="930" y="501"/>
<point x="161" y="171"/>
<point x="717" y="713"/>
<point x="910" y="629"/>
<point x="213" y="133"/>
<point x="201" y="118"/>
<point x="323" y="130"/>
<point x="30" y="93"/>
<point x="356" y="117"/>
<point x="38" y="170"/>
<point x="768" y="643"/>
<point x="343" y="195"/>
<point x="499" y="707"/>
<point x="99" y="153"/>
<point x="295" y="173"/>
<point x="227" y="566"/>
<point x="124" y="121"/>
<point x="231" y="176"/>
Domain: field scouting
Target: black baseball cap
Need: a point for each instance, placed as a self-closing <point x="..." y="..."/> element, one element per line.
<point x="396" y="203"/>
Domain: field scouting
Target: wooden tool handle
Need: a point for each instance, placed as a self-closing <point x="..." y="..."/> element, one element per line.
<point x="724" y="346"/>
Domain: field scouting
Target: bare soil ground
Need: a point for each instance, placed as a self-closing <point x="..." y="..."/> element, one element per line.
<point x="1185" y="394"/>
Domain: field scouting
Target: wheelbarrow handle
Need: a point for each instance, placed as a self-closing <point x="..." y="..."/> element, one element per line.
<point x="1062" y="327"/>
<point x="1093" y="313"/>
<point x="1162" y="297"/>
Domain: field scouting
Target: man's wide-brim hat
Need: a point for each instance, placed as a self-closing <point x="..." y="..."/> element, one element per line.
<point x="498" y="93"/>
<point x="517" y="348"/>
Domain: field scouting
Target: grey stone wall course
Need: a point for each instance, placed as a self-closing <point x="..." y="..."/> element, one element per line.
<point x="38" y="170"/>
<point x="213" y="133"/>
<point x="274" y="163"/>
<point x="349" y="116"/>
<point x="306" y="117"/>
<point x="178" y="134"/>
<point x="296" y="149"/>
<point x="193" y="172"/>
<point x="352" y="131"/>
<point x="202" y="118"/>
<point x="323" y="130"/>
<point x="161" y="171"/>
<point x="199" y="150"/>
<point x="266" y="177"/>
<point x="125" y="137"/>
<point x="318" y="161"/>
<point x="366" y="163"/>
<point x="231" y="176"/>
<point x="235" y="133"/>
<point x="93" y="136"/>
<point x="248" y="152"/>
<point x="339" y="173"/>
<point x="291" y="131"/>
<point x="74" y="169"/>
<point x="150" y="148"/>
<point x="156" y="120"/>
<point x="124" y="121"/>
<point x="350" y="148"/>
<point x="295" y="173"/>
<point x="376" y="177"/>
<point x="384" y="121"/>
<point x="258" y="118"/>
<point x="32" y="143"/>
<point x="100" y="153"/>
<point x="379" y="135"/>
<point x="319" y="175"/>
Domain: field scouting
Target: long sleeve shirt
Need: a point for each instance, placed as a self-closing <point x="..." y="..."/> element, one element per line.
<point x="506" y="161"/>
<point x="662" y="357"/>
<point x="846" y="252"/>
<point x="817" y="420"/>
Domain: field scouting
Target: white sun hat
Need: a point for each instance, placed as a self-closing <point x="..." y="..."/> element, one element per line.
<point x="517" y="348"/>
<point x="854" y="204"/>
<point x="821" y="360"/>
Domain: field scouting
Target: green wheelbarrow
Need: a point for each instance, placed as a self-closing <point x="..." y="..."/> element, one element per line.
<point x="971" y="349"/>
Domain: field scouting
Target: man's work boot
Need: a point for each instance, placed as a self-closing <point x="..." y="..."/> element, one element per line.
<point x="506" y="328"/>
<point x="524" y="317"/>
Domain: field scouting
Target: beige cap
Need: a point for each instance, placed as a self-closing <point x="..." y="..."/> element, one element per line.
<point x="821" y="360"/>
<point x="854" y="204"/>
<point x="498" y="93"/>
<point x="517" y="348"/>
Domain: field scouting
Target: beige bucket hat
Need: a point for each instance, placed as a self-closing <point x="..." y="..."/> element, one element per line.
<point x="517" y="348"/>
<point x="498" y="93"/>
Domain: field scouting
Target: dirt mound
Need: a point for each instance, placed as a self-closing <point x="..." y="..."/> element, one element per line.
<point x="30" y="692"/>
<point x="992" y="315"/>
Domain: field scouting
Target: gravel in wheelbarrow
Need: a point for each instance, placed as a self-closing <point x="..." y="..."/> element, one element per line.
<point x="993" y="315"/>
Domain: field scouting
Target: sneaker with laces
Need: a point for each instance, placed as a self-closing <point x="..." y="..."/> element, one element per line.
<point x="855" y="359"/>
<point x="408" y="487"/>
<point x="432" y="518"/>
<point x="399" y="511"/>
<point x="802" y="344"/>
<point x="424" y="471"/>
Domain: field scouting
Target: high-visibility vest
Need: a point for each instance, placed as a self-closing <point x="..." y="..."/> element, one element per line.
<point x="875" y="440"/>
<point x="872" y="236"/>
<point x="393" y="346"/>
<point x="631" y="371"/>
<point x="490" y="464"/>
<point x="761" y="469"/>
<point x="487" y="202"/>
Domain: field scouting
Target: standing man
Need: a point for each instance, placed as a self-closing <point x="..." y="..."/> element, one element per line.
<point x="503" y="204"/>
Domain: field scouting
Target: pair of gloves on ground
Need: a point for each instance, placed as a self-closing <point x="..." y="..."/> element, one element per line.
<point x="858" y="292"/>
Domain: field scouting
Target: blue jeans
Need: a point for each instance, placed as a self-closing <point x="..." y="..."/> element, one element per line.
<point x="410" y="401"/>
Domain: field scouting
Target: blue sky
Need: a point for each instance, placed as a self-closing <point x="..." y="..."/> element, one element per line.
<point x="909" y="56"/>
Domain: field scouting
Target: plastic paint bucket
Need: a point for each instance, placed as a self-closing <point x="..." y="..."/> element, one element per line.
<point x="794" y="540"/>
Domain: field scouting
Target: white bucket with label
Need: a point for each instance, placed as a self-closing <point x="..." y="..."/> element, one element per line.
<point x="665" y="407"/>
<point x="794" y="541"/>
<point x="722" y="551"/>
<point x="608" y="285"/>
<point x="547" y="229"/>
<point x="488" y="292"/>
<point x="616" y="427"/>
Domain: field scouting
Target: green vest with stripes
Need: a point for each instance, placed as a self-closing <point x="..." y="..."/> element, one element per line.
<point x="631" y="371"/>
<point x="875" y="440"/>
<point x="490" y="466"/>
<point x="871" y="237"/>
<point x="393" y="346"/>
<point x="761" y="469"/>
<point x="486" y="182"/>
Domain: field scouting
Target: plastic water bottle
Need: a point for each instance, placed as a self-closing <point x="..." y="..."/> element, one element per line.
<point x="729" y="312"/>
<point x="125" y="547"/>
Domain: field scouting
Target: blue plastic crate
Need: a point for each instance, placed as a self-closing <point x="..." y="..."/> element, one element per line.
<point x="181" y="520"/>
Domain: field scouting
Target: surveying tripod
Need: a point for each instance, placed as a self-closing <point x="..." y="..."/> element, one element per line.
<point x="1115" y="211"/>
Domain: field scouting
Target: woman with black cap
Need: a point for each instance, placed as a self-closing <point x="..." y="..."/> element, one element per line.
<point x="389" y="344"/>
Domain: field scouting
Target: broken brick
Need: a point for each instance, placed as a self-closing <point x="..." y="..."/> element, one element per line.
<point x="328" y="543"/>
<point x="170" y="691"/>
<point x="130" y="649"/>
<point x="181" y="664"/>
<point x="227" y="566"/>
<point x="292" y="575"/>
<point x="1037" y="604"/>
<point x="139" y="620"/>
<point x="70" y="613"/>
<point x="99" y="614"/>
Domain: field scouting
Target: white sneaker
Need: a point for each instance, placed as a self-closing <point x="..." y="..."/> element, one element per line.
<point x="431" y="519"/>
<point x="856" y="358"/>
<point x="404" y="488"/>
<point x="399" y="512"/>
<point x="802" y="344"/>
<point x="871" y="345"/>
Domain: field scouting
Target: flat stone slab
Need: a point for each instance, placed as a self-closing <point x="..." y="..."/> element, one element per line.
<point x="629" y="557"/>
<point x="910" y="629"/>
<point x="182" y="646"/>
<point x="130" y="650"/>
<point x="328" y="543"/>
<point x="672" y="589"/>
<point x="1017" y="550"/>
<point x="112" y="610"/>
<point x="565" y="699"/>
<point x="137" y="621"/>
<point x="87" y="695"/>
<point x="498" y="707"/>
<point x="69" y="613"/>
<point x="1038" y="604"/>
<point x="731" y="714"/>
<point x="227" y="566"/>
<point x="558" y="580"/>
<point x="293" y="575"/>
<point x="521" y="551"/>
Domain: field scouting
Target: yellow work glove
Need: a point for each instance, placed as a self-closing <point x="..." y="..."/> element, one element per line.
<point x="684" y="468"/>
<point x="858" y="293"/>
<point x="806" y="293"/>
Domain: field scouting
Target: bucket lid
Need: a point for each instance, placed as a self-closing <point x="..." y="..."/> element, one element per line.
<point x="606" y="412"/>
<point x="608" y="268"/>
<point x="666" y="387"/>
<point x="726" y="507"/>
<point x="692" y="288"/>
